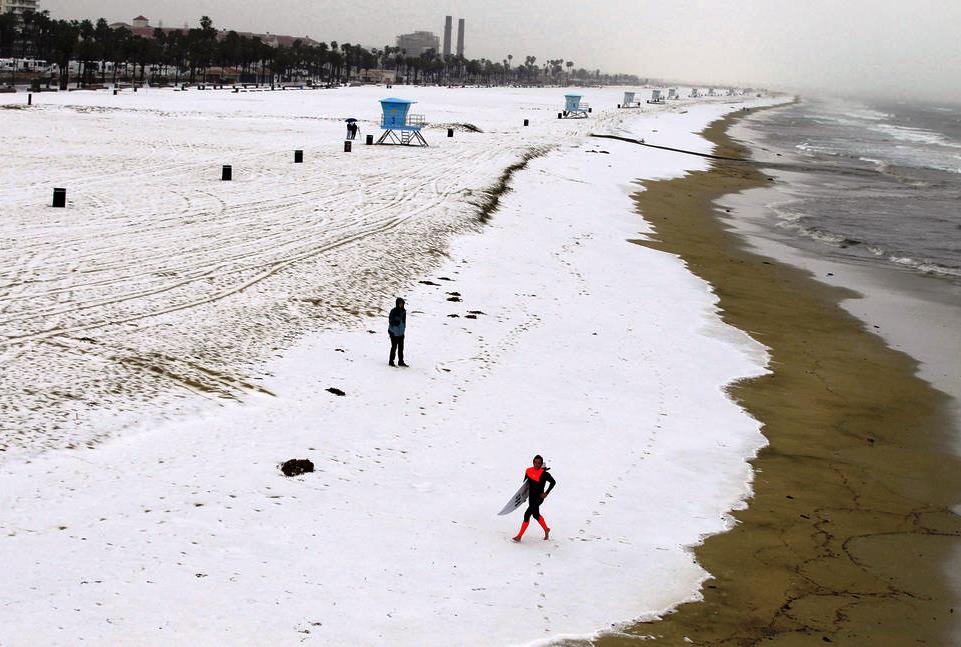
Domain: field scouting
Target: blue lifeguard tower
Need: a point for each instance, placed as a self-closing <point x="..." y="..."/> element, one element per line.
<point x="401" y="127"/>
<point x="573" y="108"/>
<point x="630" y="101"/>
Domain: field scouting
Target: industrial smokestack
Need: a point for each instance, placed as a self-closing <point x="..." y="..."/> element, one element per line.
<point x="448" y="28"/>
<point x="460" y="37"/>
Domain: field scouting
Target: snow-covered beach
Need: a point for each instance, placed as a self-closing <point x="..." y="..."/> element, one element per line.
<point x="192" y="327"/>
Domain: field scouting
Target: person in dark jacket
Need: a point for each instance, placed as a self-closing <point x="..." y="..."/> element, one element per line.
<point x="536" y="477"/>
<point x="396" y="325"/>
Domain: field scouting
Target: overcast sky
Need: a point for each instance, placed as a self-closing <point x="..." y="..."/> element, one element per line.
<point x="893" y="48"/>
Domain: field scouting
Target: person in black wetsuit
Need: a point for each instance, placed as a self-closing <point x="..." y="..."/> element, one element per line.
<point x="536" y="477"/>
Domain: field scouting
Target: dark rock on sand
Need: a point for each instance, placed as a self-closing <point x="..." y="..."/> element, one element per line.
<point x="296" y="466"/>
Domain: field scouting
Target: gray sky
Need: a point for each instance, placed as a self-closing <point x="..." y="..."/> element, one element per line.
<point x="893" y="48"/>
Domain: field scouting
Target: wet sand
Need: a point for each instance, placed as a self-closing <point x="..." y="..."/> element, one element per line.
<point x="847" y="535"/>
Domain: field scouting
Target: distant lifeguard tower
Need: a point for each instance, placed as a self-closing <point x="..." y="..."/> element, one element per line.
<point x="672" y="94"/>
<point x="695" y="93"/>
<point x="656" y="97"/>
<point x="630" y="101"/>
<point x="573" y="108"/>
<point x="401" y="127"/>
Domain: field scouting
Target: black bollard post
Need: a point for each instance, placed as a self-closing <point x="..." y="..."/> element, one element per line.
<point x="370" y="140"/>
<point x="29" y="99"/>
<point x="346" y="145"/>
<point x="618" y="105"/>
<point x="60" y="198"/>
<point x="590" y="109"/>
<point x="527" y="122"/>
<point x="134" y="88"/>
<point x="558" y="115"/>
<point x="298" y="157"/>
<point x="115" y="92"/>
<point x="450" y="132"/>
<point x="227" y="173"/>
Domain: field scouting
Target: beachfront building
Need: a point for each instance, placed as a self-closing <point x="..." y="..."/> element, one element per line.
<point x="416" y="43"/>
<point x="140" y="26"/>
<point x="19" y="6"/>
<point x="377" y="75"/>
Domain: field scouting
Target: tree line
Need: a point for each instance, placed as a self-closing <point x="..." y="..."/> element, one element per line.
<point x="206" y="54"/>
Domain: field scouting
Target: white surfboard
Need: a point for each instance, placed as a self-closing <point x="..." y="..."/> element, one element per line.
<point x="516" y="501"/>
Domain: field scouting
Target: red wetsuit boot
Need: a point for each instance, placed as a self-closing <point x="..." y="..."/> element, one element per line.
<point x="522" y="531"/>
<point x="547" y="531"/>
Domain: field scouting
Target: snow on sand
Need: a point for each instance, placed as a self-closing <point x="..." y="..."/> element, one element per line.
<point x="606" y="357"/>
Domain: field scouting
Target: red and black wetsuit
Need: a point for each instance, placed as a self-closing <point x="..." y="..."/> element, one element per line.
<point x="536" y="478"/>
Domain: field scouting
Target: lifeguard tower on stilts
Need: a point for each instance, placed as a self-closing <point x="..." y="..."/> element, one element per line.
<point x="573" y="108"/>
<point x="656" y="96"/>
<point x="672" y="94"/>
<point x="630" y="101"/>
<point x="400" y="127"/>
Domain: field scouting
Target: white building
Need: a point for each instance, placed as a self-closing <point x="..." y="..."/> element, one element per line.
<point x="19" y="6"/>
<point x="418" y="42"/>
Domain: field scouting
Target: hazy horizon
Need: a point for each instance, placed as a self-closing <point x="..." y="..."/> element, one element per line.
<point x="883" y="49"/>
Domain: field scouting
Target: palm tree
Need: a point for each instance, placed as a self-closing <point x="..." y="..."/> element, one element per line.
<point x="65" y="36"/>
<point x="8" y="36"/>
<point x="85" y="51"/>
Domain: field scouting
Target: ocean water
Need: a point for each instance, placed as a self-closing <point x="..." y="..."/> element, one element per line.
<point x="877" y="181"/>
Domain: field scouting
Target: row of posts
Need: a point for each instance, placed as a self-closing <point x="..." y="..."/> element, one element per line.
<point x="227" y="171"/>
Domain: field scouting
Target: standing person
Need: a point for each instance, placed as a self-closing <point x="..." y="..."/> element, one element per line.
<point x="535" y="477"/>
<point x="396" y="326"/>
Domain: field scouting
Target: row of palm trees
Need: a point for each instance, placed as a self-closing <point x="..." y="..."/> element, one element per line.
<point x="210" y="55"/>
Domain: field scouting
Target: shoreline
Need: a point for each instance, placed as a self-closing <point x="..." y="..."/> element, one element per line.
<point x="858" y="469"/>
<point x="893" y="301"/>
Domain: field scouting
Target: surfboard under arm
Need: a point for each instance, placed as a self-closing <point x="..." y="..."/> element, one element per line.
<point x="516" y="501"/>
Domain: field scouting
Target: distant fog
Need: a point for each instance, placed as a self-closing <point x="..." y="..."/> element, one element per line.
<point x="881" y="48"/>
